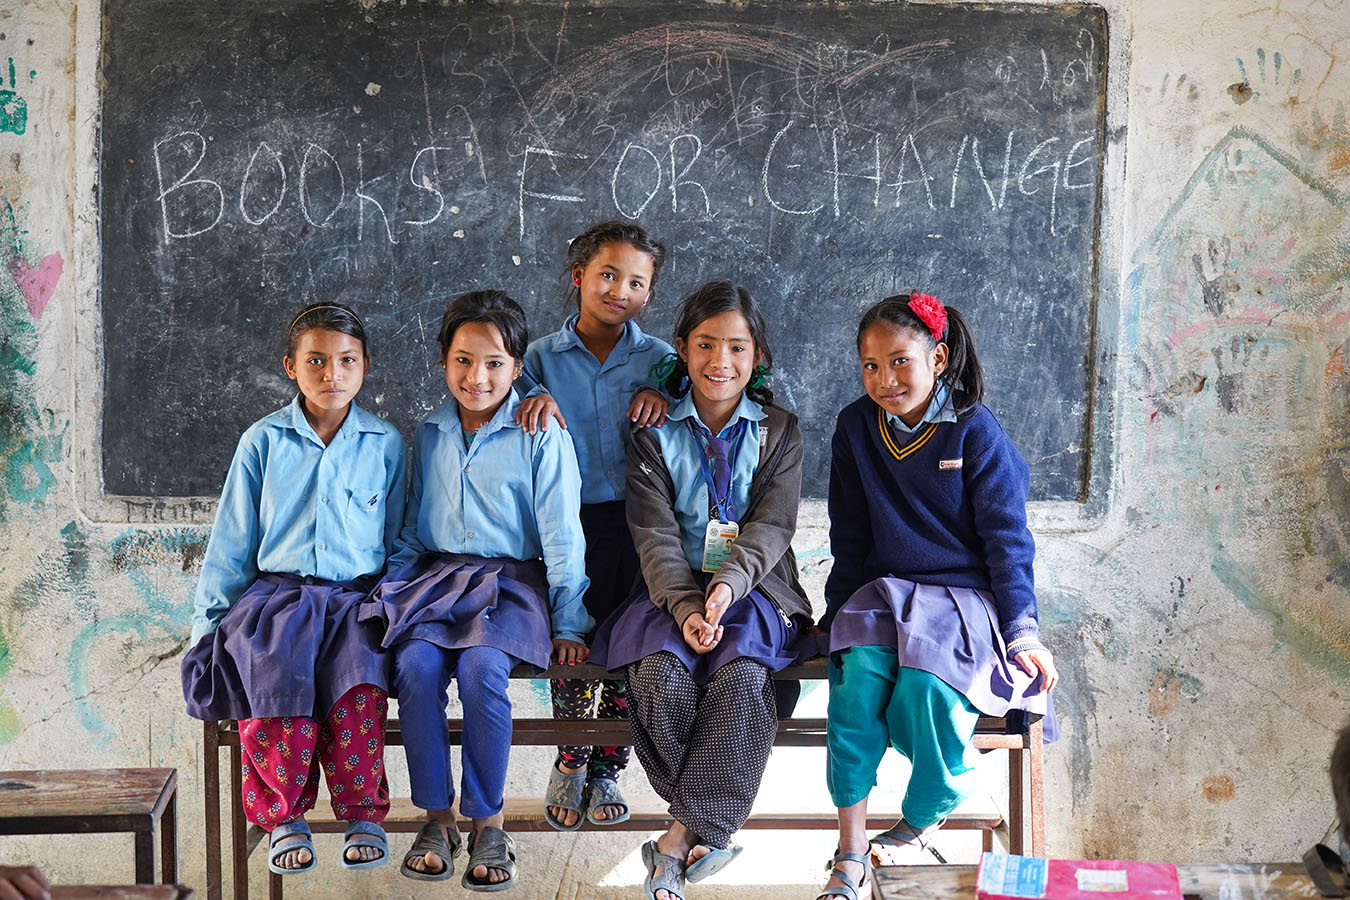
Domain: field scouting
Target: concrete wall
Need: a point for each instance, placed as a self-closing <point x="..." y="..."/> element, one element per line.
<point x="1200" y="623"/>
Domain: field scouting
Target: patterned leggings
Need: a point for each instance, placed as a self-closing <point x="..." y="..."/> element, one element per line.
<point x="282" y="755"/>
<point x="704" y="747"/>
<point x="576" y="698"/>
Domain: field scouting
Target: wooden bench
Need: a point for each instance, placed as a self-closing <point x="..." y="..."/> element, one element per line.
<point x="79" y="801"/>
<point x="1018" y="734"/>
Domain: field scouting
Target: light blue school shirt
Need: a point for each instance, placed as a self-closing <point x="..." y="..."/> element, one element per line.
<point x="940" y="409"/>
<point x="682" y="450"/>
<point x="509" y="494"/>
<point x="293" y="506"/>
<point x="594" y="398"/>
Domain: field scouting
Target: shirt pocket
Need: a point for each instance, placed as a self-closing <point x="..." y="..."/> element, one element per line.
<point x="365" y="518"/>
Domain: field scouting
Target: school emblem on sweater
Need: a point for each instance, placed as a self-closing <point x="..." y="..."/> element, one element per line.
<point x="944" y="464"/>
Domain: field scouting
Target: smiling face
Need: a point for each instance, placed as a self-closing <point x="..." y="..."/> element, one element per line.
<point x="899" y="370"/>
<point x="615" y="284"/>
<point x="721" y="356"/>
<point x="478" y="371"/>
<point x="329" y="368"/>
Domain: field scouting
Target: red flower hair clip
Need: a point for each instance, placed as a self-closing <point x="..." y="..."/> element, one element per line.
<point x="931" y="312"/>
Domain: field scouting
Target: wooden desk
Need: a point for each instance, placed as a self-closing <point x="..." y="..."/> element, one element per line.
<point x="1209" y="881"/>
<point x="82" y="801"/>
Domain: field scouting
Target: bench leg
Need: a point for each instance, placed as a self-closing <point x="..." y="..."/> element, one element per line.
<point x="1016" y="804"/>
<point x="145" y="856"/>
<point x="1037" y="798"/>
<point x="239" y="840"/>
<point x="274" y="886"/>
<point x="211" y="789"/>
<point x="168" y="842"/>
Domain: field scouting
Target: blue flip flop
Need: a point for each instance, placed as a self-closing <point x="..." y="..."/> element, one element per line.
<point x="307" y="843"/>
<point x="365" y="834"/>
<point x="714" y="862"/>
<point x="671" y="879"/>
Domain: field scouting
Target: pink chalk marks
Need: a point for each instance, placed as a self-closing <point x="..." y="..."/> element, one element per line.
<point x="37" y="283"/>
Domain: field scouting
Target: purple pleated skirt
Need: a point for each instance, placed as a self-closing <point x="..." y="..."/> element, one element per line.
<point x="950" y="632"/>
<point x="753" y="627"/>
<point x="456" y="601"/>
<point x="289" y="646"/>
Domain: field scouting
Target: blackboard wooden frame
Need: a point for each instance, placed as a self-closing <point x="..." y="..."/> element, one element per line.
<point x="1090" y="501"/>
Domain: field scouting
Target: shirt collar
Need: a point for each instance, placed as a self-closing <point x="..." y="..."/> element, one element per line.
<point x="746" y="409"/>
<point x="357" y="420"/>
<point x="940" y="409"/>
<point x="567" y="338"/>
<point x="446" y="418"/>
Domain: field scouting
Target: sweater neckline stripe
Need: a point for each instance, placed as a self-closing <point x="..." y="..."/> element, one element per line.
<point x="890" y="441"/>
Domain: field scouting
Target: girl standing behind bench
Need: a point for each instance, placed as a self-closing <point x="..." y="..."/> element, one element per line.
<point x="489" y="572"/>
<point x="595" y="376"/>
<point x="712" y="503"/>
<point x="930" y="606"/>
<point x="311" y="505"/>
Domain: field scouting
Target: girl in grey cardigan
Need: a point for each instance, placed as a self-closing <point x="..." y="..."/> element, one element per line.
<point x="712" y="504"/>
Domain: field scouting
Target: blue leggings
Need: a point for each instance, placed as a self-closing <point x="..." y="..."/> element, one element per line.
<point x="482" y="673"/>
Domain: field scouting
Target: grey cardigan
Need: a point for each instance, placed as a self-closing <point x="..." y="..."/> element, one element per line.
<point x="761" y="556"/>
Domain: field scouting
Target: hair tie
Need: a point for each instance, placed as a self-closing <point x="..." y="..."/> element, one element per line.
<point x="760" y="376"/>
<point x="308" y="310"/>
<point x="663" y="367"/>
<point x="931" y="312"/>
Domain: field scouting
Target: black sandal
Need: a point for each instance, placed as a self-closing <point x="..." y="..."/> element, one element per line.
<point x="850" y="889"/>
<point x="430" y="839"/>
<point x="495" y="850"/>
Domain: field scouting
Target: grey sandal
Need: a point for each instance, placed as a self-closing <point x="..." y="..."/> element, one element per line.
<point x="494" y="850"/>
<point x="565" y="791"/>
<point x="850" y="889"/>
<point x="605" y="792"/>
<point x="430" y="839"/>
<point x="902" y="835"/>
<point x="671" y="878"/>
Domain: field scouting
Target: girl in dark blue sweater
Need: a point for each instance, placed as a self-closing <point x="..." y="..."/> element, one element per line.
<point x="930" y="605"/>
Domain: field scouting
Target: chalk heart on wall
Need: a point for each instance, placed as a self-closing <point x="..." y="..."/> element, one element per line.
<point x="37" y="283"/>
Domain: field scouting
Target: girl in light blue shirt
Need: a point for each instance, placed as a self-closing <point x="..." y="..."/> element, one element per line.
<point x="310" y="509"/>
<point x="489" y="573"/>
<point x="593" y="376"/>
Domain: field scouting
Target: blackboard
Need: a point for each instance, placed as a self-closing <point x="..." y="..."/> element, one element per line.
<point x="255" y="156"/>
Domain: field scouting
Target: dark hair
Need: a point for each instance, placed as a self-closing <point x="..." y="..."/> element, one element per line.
<point x="1340" y="780"/>
<point x="326" y="316"/>
<point x="493" y="308"/>
<point x="712" y="299"/>
<point x="585" y="245"/>
<point x="963" y="366"/>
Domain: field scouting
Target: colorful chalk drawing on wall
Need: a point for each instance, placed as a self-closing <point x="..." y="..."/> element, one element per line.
<point x="114" y="653"/>
<point x="13" y="108"/>
<point x="1239" y="331"/>
<point x="30" y="438"/>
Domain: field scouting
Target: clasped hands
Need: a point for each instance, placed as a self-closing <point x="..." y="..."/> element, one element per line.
<point x="703" y="630"/>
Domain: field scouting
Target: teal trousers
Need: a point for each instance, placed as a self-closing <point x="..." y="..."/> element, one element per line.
<point x="875" y="703"/>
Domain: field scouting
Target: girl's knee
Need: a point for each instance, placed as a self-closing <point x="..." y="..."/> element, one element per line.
<point x="483" y="674"/>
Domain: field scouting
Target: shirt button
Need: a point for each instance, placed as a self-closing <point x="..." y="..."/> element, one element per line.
<point x="323" y="499"/>
<point x="323" y="546"/>
<point x="470" y="535"/>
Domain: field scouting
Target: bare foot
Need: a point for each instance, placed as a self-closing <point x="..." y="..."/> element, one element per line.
<point x="568" y="817"/>
<point x="293" y="859"/>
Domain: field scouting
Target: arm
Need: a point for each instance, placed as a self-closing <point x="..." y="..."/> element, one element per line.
<point x="537" y="404"/>
<point x="396" y="494"/>
<point x="409" y="543"/>
<point x="656" y="532"/>
<point x="231" y="561"/>
<point x="850" y="527"/>
<point x="766" y="534"/>
<point x="557" y="514"/>
<point x="996" y="483"/>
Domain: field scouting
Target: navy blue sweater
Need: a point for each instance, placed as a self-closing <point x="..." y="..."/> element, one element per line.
<point x="945" y="505"/>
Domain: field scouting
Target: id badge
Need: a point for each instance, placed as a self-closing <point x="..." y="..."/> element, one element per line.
<point x="717" y="543"/>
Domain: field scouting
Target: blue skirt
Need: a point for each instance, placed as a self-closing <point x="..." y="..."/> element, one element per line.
<point x="289" y="646"/>
<point x="950" y="632"/>
<point x="753" y="627"/>
<point x="456" y="601"/>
